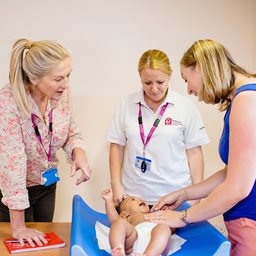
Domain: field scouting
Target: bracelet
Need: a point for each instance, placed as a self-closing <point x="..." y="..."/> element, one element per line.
<point x="184" y="217"/>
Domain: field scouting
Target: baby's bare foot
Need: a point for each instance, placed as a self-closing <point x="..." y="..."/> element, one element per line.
<point x="118" y="251"/>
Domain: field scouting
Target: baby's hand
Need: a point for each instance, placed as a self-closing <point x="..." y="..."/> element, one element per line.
<point x="107" y="194"/>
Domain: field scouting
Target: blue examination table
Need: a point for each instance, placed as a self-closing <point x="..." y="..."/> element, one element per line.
<point x="202" y="238"/>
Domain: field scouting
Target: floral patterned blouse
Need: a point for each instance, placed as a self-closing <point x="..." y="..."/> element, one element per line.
<point x="22" y="157"/>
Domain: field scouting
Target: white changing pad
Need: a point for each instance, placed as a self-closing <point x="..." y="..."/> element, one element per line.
<point x="102" y="235"/>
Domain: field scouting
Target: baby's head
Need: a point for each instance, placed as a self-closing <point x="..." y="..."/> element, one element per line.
<point x="132" y="205"/>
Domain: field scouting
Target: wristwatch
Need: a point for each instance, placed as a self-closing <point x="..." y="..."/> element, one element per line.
<point x="183" y="217"/>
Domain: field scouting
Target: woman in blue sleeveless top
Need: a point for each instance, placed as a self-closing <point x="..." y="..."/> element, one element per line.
<point x="211" y="74"/>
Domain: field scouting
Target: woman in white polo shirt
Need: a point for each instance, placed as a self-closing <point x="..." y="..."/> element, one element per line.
<point x="155" y="136"/>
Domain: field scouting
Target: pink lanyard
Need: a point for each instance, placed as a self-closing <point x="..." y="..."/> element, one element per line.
<point x="153" y="128"/>
<point x="38" y="135"/>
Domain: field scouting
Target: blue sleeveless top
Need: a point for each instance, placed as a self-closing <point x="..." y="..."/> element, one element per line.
<point x="247" y="207"/>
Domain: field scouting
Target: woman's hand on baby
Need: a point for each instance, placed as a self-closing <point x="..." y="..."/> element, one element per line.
<point x="170" y="201"/>
<point x="119" y="193"/>
<point x="168" y="217"/>
<point x="32" y="236"/>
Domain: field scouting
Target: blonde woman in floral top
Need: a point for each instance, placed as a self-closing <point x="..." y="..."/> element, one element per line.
<point x="36" y="119"/>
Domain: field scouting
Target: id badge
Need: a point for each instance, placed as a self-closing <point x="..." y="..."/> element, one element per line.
<point x="50" y="176"/>
<point x="142" y="163"/>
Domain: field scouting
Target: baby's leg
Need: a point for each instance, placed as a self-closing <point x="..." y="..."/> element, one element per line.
<point x="159" y="241"/>
<point x="122" y="237"/>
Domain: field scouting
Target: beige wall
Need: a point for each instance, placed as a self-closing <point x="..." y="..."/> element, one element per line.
<point x="106" y="39"/>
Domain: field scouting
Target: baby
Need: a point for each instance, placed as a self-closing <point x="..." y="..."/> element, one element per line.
<point x="130" y="234"/>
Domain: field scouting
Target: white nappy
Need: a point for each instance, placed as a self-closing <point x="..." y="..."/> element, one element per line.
<point x="144" y="234"/>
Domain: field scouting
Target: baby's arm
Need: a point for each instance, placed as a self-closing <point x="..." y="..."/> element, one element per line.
<point x="107" y="195"/>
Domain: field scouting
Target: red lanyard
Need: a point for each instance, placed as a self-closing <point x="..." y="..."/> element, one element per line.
<point x="153" y="128"/>
<point x="38" y="135"/>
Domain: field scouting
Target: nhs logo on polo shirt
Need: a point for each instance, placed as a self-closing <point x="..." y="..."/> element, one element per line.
<point x="169" y="121"/>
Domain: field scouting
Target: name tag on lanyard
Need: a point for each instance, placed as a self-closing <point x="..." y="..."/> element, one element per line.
<point x="141" y="162"/>
<point x="50" y="175"/>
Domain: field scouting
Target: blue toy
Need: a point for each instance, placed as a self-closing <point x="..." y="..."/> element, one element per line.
<point x="202" y="238"/>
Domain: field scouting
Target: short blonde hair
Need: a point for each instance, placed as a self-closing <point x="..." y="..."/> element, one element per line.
<point x="155" y="59"/>
<point x="31" y="60"/>
<point x="217" y="69"/>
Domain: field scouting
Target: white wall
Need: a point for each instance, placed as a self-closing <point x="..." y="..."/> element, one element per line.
<point x="106" y="39"/>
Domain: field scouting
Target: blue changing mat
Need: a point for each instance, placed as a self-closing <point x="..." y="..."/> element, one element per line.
<point x="202" y="238"/>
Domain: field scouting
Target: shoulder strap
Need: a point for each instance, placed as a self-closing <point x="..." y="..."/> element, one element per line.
<point x="247" y="87"/>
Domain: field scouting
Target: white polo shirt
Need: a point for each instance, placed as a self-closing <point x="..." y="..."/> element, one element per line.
<point x="180" y="128"/>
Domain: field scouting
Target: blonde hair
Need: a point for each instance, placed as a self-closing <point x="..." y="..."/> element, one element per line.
<point x="217" y="69"/>
<point x="32" y="60"/>
<point x="155" y="59"/>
